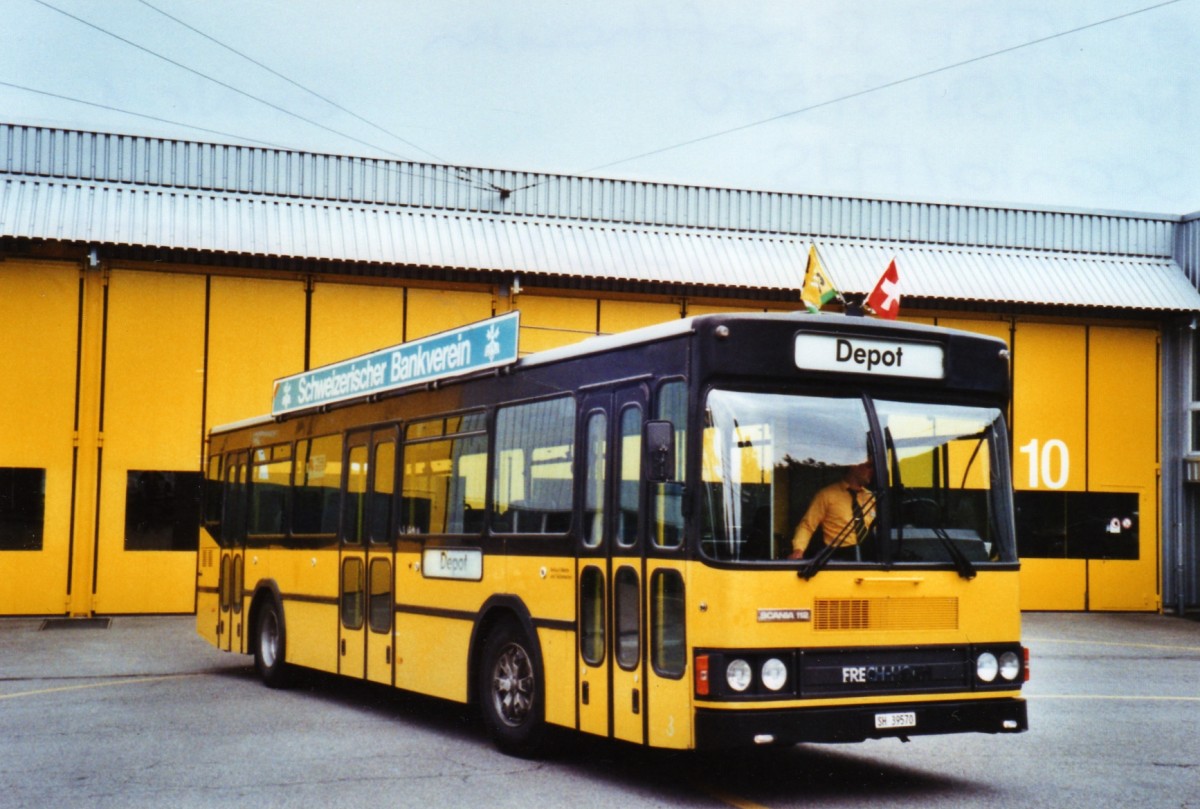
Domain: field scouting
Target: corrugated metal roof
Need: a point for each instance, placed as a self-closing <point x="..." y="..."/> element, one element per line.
<point x="1016" y="276"/>
<point x="97" y="157"/>
<point x="119" y="214"/>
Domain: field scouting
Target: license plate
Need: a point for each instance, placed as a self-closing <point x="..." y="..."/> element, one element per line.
<point x="895" y="720"/>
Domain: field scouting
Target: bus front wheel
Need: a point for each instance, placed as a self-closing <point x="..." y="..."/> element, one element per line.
<point x="511" y="692"/>
<point x="270" y="646"/>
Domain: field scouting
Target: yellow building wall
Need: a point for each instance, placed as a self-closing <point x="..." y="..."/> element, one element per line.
<point x="153" y="391"/>
<point x="619" y="316"/>
<point x="1123" y="440"/>
<point x="256" y="335"/>
<point x="433" y="310"/>
<point x="1085" y="416"/>
<point x="549" y="322"/>
<point x="1050" y="405"/>
<point x="39" y="317"/>
<point x="353" y="319"/>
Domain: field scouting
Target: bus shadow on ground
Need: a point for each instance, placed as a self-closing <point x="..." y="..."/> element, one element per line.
<point x="774" y="776"/>
<point x="770" y="775"/>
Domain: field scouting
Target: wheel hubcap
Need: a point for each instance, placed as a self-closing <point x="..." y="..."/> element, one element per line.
<point x="512" y="685"/>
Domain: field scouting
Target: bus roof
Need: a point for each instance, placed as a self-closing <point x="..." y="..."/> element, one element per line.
<point x="666" y="330"/>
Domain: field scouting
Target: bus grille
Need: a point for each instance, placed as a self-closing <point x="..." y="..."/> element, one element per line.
<point x="885" y="613"/>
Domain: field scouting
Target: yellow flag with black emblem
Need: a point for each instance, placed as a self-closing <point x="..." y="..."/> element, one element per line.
<point x="818" y="286"/>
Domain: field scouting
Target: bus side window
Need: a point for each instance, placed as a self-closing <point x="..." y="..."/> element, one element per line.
<point x="355" y="498"/>
<point x="533" y="473"/>
<point x="668" y="634"/>
<point x="629" y="471"/>
<point x="270" y="473"/>
<point x="383" y="487"/>
<point x="667" y="514"/>
<point x="214" y="497"/>
<point x="317" y="485"/>
<point x="445" y="476"/>
<point x="597" y="451"/>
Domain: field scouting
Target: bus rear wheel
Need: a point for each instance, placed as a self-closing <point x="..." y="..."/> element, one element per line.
<point x="270" y="648"/>
<point x="512" y="692"/>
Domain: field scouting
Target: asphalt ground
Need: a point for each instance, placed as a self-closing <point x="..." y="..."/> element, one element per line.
<point x="145" y="713"/>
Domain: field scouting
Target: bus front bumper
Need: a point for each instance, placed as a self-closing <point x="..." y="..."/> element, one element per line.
<point x="856" y="723"/>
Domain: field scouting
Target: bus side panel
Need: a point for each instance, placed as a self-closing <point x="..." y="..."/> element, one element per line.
<point x="311" y="634"/>
<point x="546" y="585"/>
<point x="433" y="641"/>
<point x="558" y="662"/>
<point x="311" y="623"/>
<point x="431" y="655"/>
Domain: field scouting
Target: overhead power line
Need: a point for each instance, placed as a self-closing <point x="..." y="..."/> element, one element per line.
<point x="878" y="87"/>
<point x="455" y="172"/>
<point x="290" y="81"/>
<point x="111" y="108"/>
<point x="216" y="81"/>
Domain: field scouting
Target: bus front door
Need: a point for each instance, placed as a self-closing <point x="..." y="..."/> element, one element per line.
<point x="610" y="692"/>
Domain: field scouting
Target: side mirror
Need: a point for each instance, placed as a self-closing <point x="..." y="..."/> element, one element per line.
<point x="658" y="448"/>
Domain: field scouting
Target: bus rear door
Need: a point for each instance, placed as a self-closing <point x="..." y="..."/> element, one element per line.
<point x="366" y="588"/>
<point x="352" y="561"/>
<point x="231" y="586"/>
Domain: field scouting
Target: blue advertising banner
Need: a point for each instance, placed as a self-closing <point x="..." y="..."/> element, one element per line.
<point x="486" y="344"/>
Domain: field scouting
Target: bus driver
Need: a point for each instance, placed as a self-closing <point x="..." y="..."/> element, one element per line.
<point x="844" y="511"/>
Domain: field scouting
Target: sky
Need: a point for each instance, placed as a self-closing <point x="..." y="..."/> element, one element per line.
<point x="1077" y="104"/>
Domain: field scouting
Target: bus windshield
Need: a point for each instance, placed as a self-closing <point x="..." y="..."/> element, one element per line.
<point x="808" y="479"/>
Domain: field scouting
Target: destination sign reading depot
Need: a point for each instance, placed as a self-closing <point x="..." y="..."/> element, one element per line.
<point x="861" y="355"/>
<point x="477" y="347"/>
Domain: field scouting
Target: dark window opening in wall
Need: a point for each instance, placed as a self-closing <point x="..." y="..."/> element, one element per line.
<point x="1077" y="525"/>
<point x="22" y="508"/>
<point x="162" y="510"/>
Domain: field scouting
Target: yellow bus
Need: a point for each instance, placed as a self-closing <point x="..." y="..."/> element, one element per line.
<point x="608" y="537"/>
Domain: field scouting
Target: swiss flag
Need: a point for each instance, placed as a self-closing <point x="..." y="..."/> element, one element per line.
<point x="884" y="300"/>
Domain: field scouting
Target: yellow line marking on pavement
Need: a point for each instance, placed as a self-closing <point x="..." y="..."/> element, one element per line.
<point x="732" y="800"/>
<point x="62" y="688"/>
<point x="1129" y="697"/>
<point x="1166" y="646"/>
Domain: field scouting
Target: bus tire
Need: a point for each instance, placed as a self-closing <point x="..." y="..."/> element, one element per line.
<point x="512" y="693"/>
<point x="270" y="646"/>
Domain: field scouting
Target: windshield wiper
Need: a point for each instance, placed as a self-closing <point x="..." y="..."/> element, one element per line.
<point x="826" y="553"/>
<point x="961" y="563"/>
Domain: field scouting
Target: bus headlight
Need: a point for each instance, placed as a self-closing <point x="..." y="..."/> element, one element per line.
<point x="774" y="674"/>
<point x="738" y="674"/>
<point x="1010" y="666"/>
<point x="986" y="667"/>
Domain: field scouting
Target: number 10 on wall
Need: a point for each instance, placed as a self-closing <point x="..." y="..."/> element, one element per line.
<point x="1051" y="466"/>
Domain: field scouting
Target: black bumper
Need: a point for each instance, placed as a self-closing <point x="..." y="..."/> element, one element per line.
<point x="855" y="723"/>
